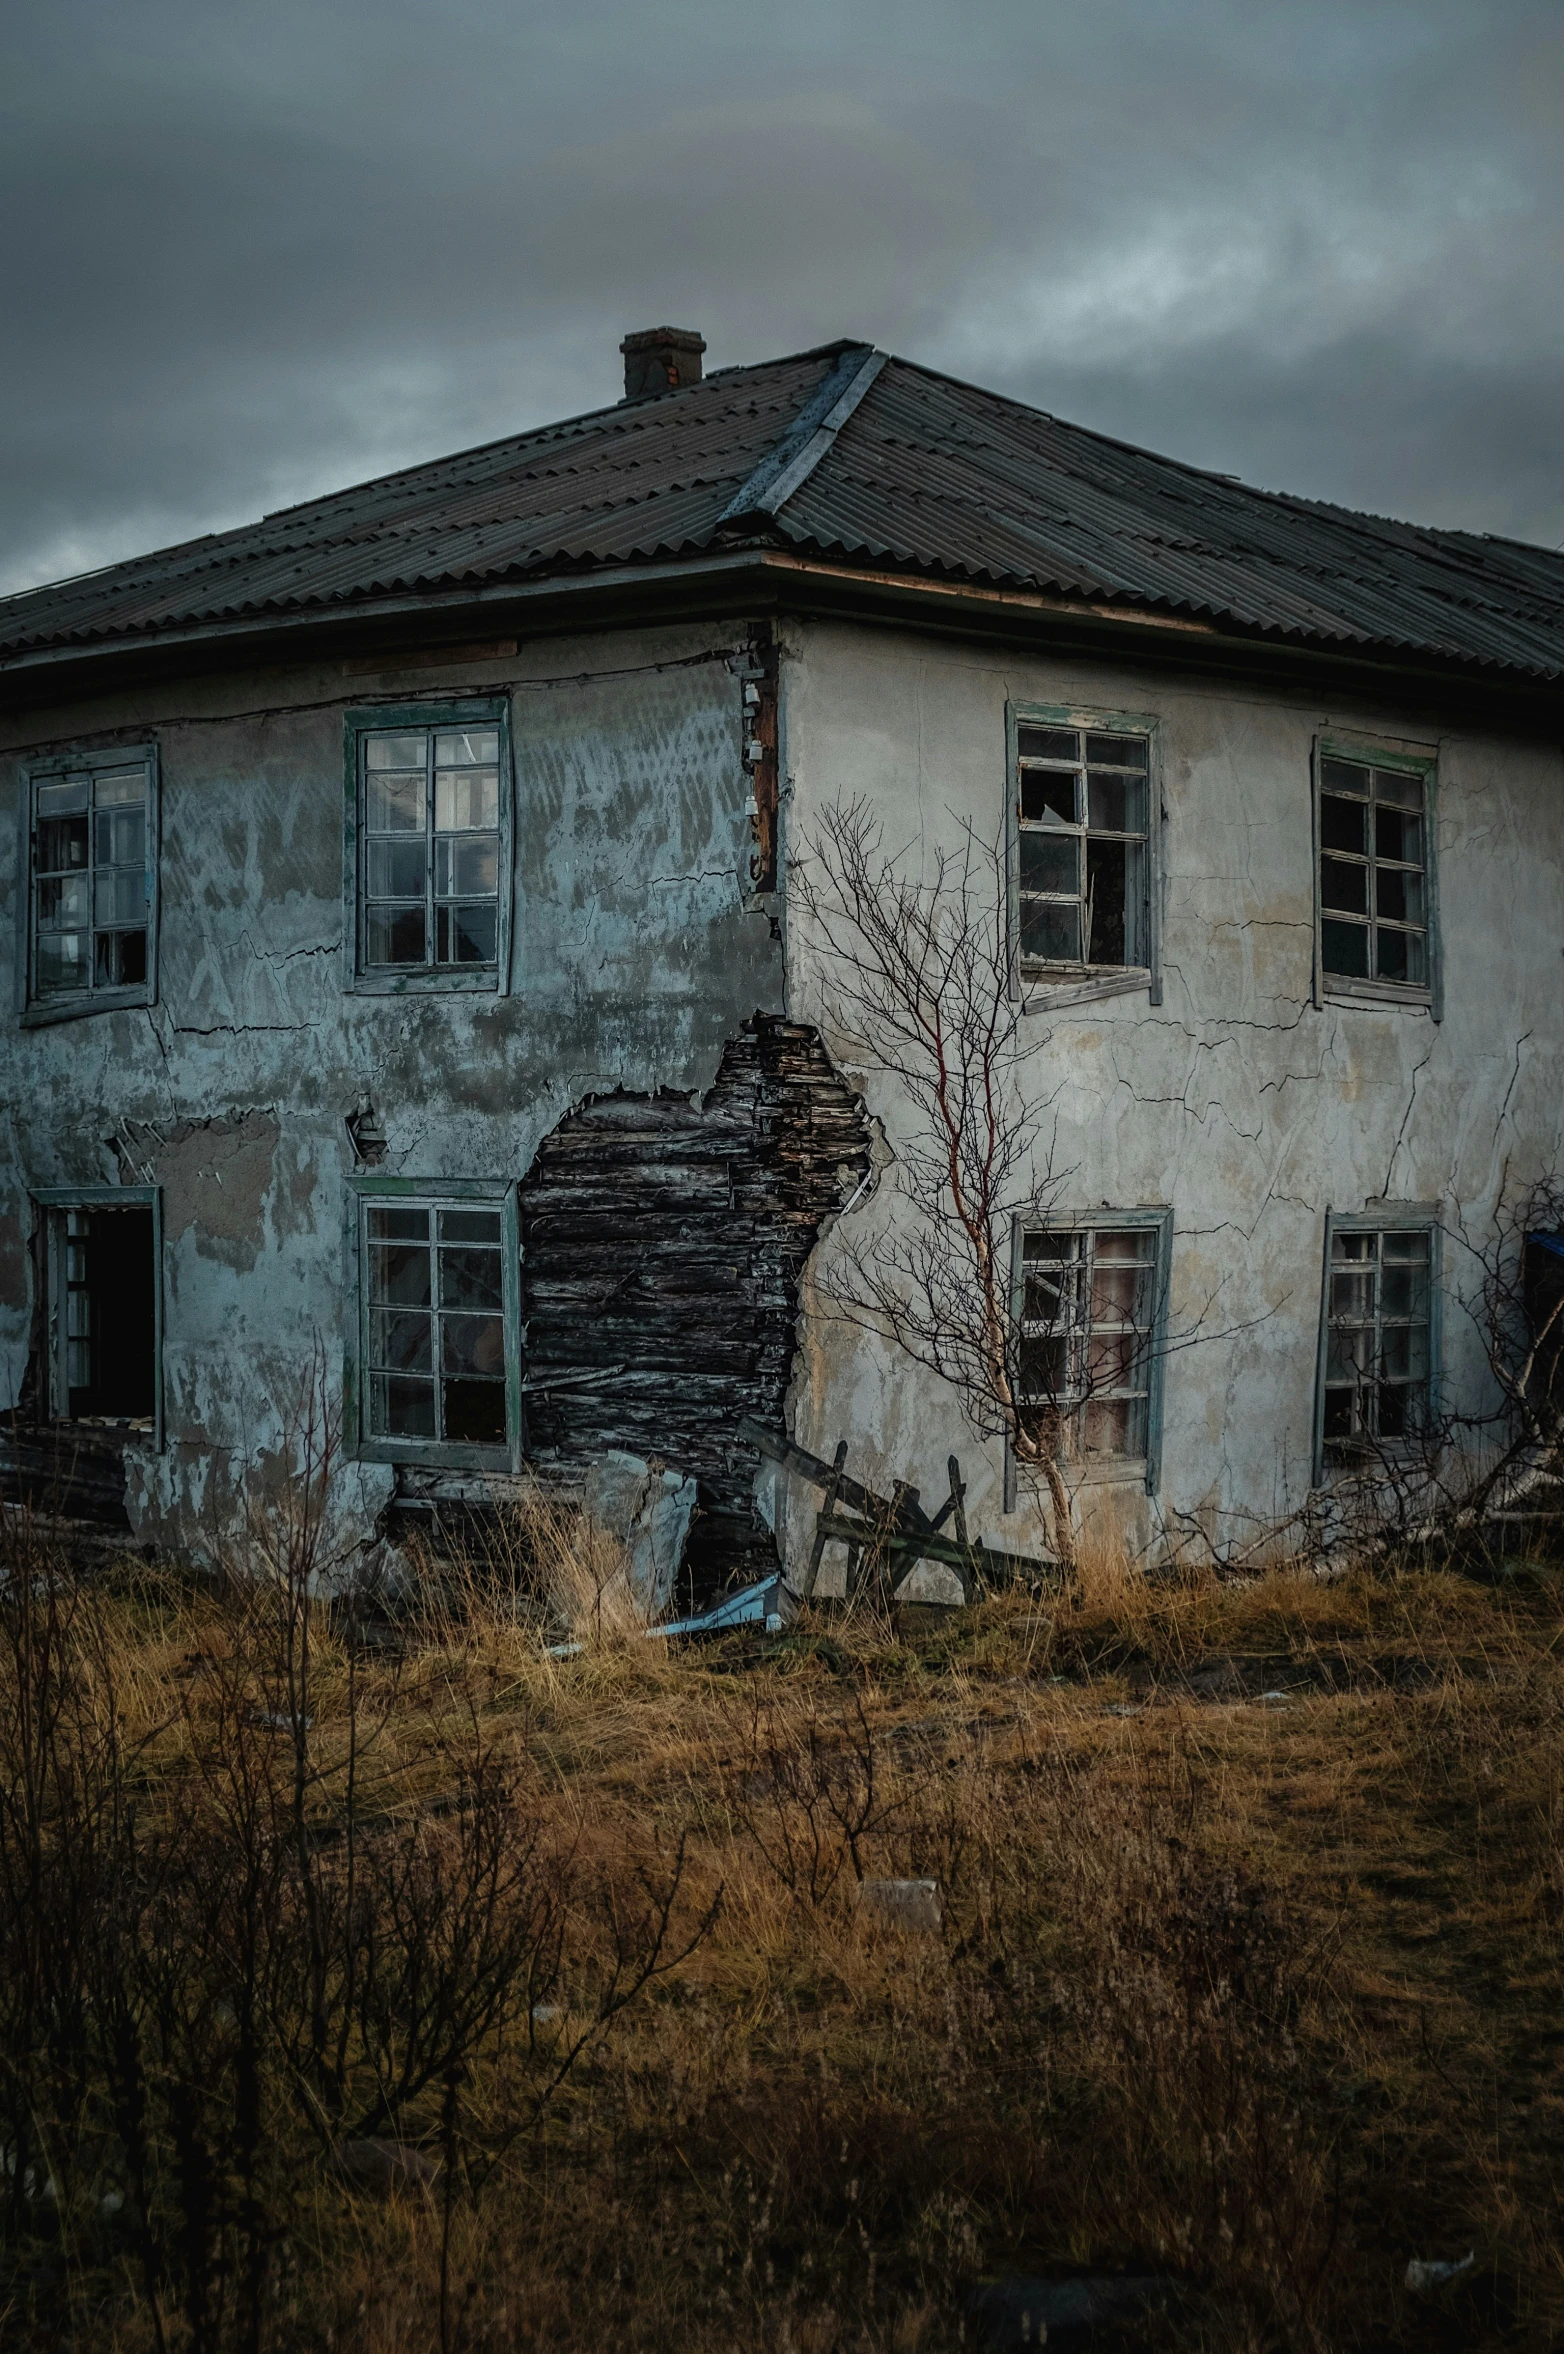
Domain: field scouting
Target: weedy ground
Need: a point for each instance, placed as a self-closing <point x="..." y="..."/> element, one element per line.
<point x="1249" y="1971"/>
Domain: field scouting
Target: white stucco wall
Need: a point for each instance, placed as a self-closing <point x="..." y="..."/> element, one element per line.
<point x="1237" y="1101"/>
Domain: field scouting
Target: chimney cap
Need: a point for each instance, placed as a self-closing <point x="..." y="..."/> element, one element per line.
<point x="657" y="359"/>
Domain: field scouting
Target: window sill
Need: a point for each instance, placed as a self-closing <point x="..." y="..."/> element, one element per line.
<point x="1043" y="990"/>
<point x="1343" y="991"/>
<point x="428" y="982"/>
<point x="412" y="1454"/>
<point x="45" y="1011"/>
<point x="1106" y="1471"/>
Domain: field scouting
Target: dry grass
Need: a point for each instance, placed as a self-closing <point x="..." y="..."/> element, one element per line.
<point x="1258" y="1992"/>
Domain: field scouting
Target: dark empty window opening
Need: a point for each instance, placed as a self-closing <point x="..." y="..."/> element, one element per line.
<point x="1373" y="874"/>
<point x="1082" y="804"/>
<point x="1088" y="1326"/>
<point x="92" y="880"/>
<point x="430" y="849"/>
<point x="1378" y="1342"/>
<point x="105" y="1315"/>
<point x="435" y="1293"/>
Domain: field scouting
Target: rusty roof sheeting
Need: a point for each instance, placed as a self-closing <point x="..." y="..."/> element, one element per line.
<point x="927" y="475"/>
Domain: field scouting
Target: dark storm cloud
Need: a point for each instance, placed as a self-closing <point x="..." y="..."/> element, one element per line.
<point x="252" y="253"/>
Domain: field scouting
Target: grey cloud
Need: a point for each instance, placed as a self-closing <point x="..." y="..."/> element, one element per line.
<point x="254" y="254"/>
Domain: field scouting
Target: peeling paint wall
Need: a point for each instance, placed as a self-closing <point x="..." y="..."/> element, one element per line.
<point x="636" y="958"/>
<point x="643" y="953"/>
<point x="1237" y="1101"/>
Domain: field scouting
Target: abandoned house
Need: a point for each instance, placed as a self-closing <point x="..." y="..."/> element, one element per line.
<point x="408" y="1002"/>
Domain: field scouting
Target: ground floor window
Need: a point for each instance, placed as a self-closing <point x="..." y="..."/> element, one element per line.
<point x="1380" y="1335"/>
<point x="440" y="1321"/>
<point x="1091" y="1302"/>
<point x="103" y="1329"/>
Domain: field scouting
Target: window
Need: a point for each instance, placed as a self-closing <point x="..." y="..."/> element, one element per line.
<point x="104" y="1308"/>
<point x="1092" y="1300"/>
<point x="1380" y="1334"/>
<point x="1374" y="874"/>
<point x="1082" y="810"/>
<point x="92" y="883"/>
<point x="431" y="826"/>
<point x="440" y="1321"/>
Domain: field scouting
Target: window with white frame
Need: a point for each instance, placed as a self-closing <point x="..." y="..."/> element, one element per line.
<point x="92" y="882"/>
<point x="431" y="836"/>
<point x="440" y="1319"/>
<point x="1379" y="1335"/>
<point x="1090" y="1306"/>
<point x="1374" y="873"/>
<point x="1083" y="827"/>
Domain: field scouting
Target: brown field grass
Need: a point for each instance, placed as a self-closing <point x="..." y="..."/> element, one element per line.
<point x="1249" y="1972"/>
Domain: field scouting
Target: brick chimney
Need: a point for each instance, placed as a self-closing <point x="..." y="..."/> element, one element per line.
<point x="659" y="358"/>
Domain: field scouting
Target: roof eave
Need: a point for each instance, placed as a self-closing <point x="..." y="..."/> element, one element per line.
<point x="766" y="577"/>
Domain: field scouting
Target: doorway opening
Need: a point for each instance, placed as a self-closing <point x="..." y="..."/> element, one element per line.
<point x="103" y="1314"/>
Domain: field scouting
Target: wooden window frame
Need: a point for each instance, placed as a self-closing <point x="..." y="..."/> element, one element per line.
<point x="1077" y="986"/>
<point x="53" y="1201"/>
<point x="36" y="1011"/>
<point x="1343" y="988"/>
<point x="428" y="979"/>
<point x="1087" y="1470"/>
<point x="1380" y="1218"/>
<point x="366" y="1190"/>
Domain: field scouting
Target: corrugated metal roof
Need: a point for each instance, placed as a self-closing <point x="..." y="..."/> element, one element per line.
<point x="925" y="475"/>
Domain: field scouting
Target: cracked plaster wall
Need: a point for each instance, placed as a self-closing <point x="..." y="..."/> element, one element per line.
<point x="1237" y="1100"/>
<point x="635" y="960"/>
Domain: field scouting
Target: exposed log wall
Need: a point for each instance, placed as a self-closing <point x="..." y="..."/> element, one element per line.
<point x="662" y="1245"/>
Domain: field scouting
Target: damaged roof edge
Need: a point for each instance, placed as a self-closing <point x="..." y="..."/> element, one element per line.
<point x="769" y="579"/>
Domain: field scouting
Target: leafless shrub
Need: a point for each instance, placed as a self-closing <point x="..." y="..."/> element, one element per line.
<point x="812" y="1790"/>
<point x="298" y="1913"/>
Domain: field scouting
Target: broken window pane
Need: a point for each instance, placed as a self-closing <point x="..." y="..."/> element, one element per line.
<point x="1378" y="1362"/>
<point x="431" y="834"/>
<point x="1372" y="865"/>
<point x="1047" y="797"/>
<point x="434" y="1280"/>
<point x="1088" y="1324"/>
<point x="91" y="881"/>
<point x="1082" y="867"/>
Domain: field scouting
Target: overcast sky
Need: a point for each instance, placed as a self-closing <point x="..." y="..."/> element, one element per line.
<point x="255" y="251"/>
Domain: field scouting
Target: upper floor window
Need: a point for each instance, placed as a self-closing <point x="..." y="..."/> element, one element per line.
<point x="1374" y="874"/>
<point x="431" y="864"/>
<point x="92" y="883"/>
<point x="1083" y="848"/>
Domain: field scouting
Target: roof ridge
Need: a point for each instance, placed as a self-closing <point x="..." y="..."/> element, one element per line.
<point x="791" y="460"/>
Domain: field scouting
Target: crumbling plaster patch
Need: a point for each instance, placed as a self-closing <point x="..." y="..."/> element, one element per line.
<point x="635" y="962"/>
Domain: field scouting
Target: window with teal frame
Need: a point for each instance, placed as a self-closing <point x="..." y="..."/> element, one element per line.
<point x="91" y="858"/>
<point x="1376" y="902"/>
<point x="438" y="1368"/>
<point x="427" y="872"/>
<point x="1084" y="829"/>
